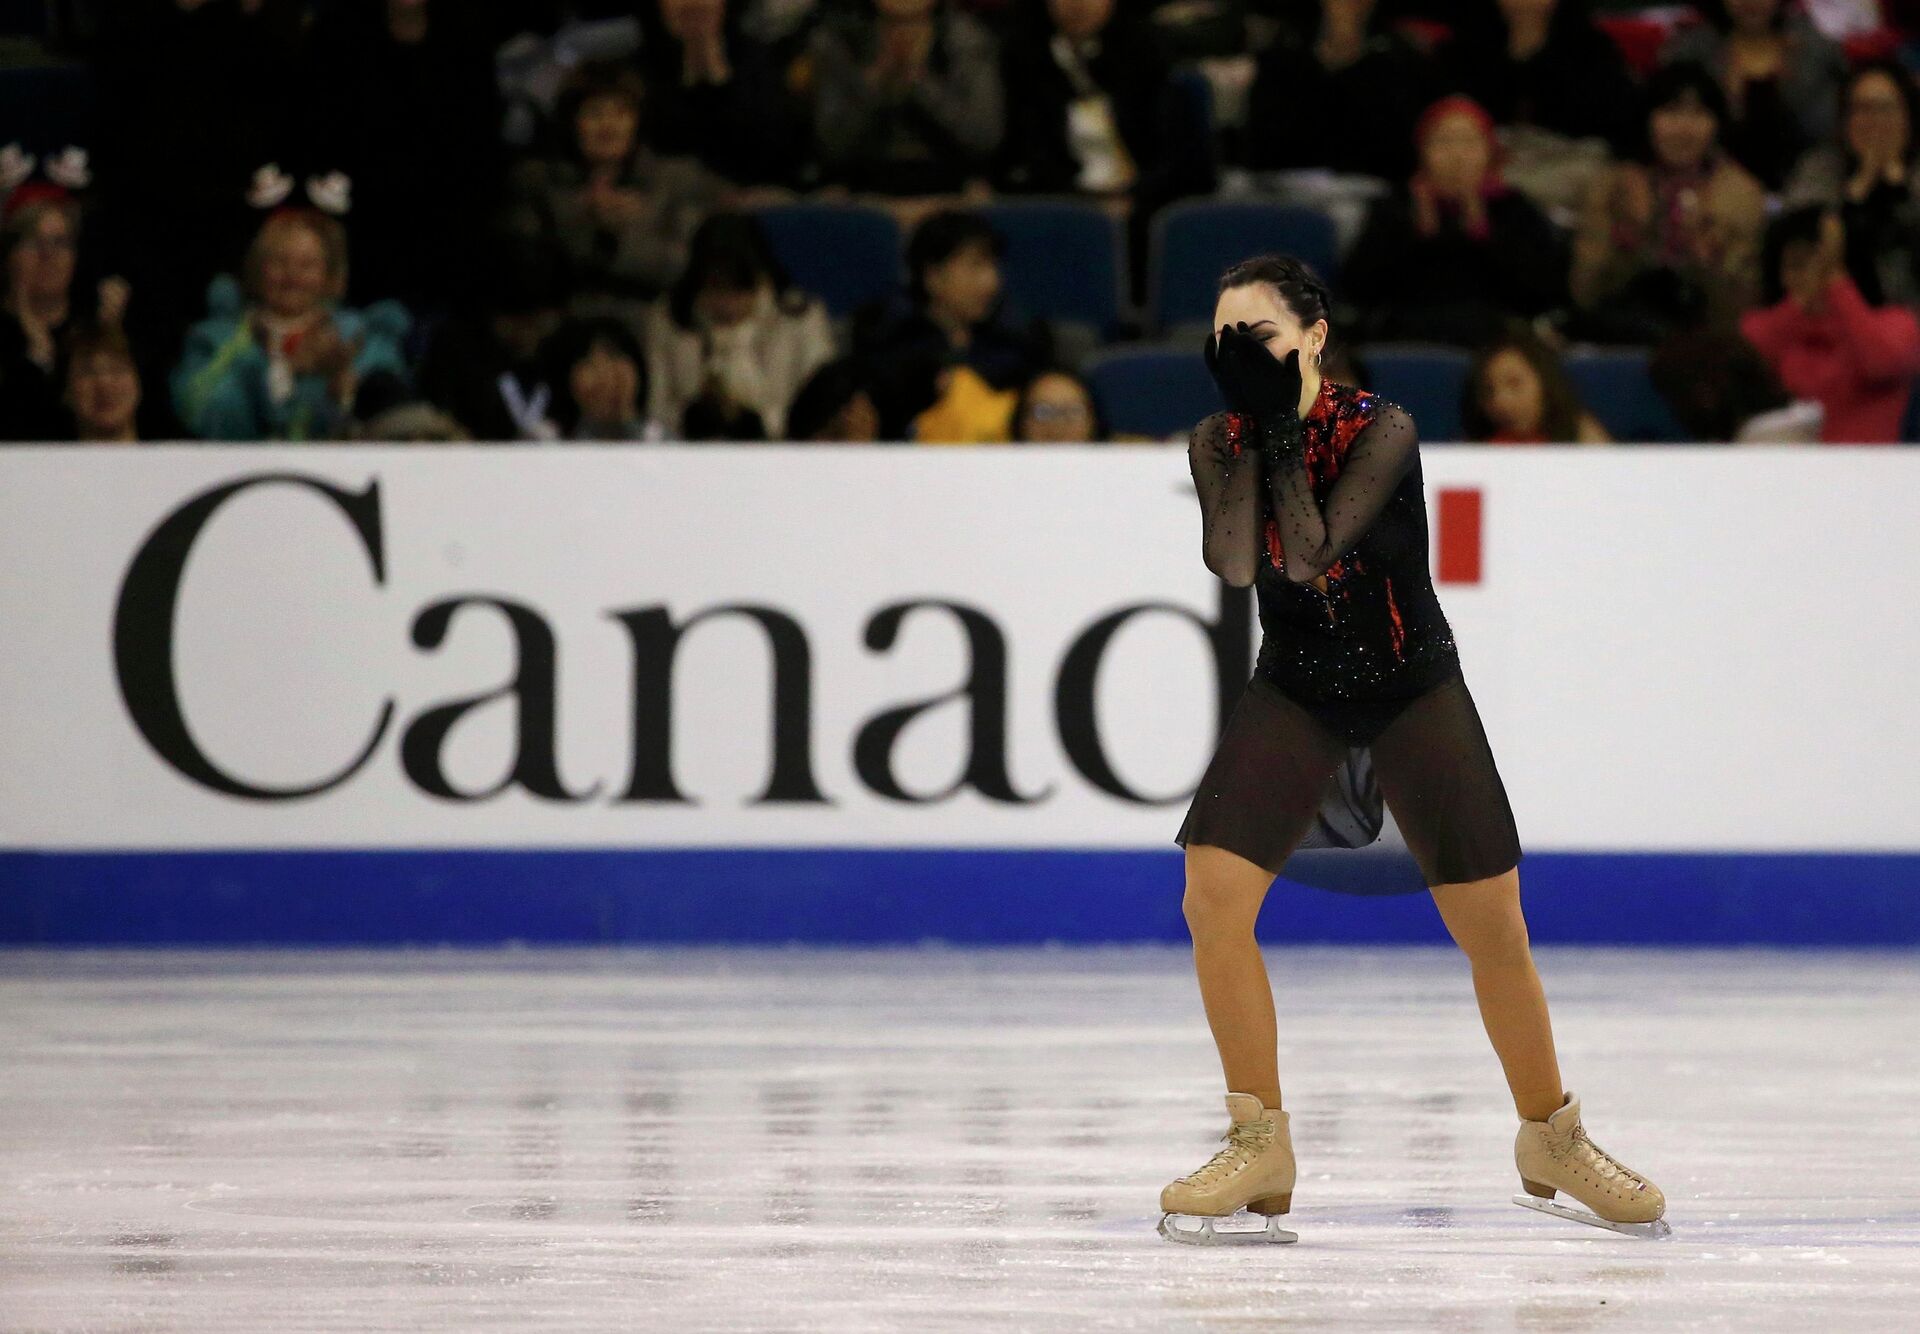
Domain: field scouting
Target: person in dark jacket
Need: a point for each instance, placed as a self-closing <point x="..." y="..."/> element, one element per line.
<point x="715" y="94"/>
<point x="599" y="377"/>
<point x="1351" y="76"/>
<point x="39" y="242"/>
<point x="1543" y="63"/>
<point x="399" y="96"/>
<point x="191" y="100"/>
<point x="952" y="314"/>
<point x="485" y="367"/>
<point x="1455" y="254"/>
<point x="1871" y="174"/>
<point x="1097" y="111"/>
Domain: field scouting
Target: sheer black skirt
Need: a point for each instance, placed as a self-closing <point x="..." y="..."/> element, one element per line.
<point x="1264" y="786"/>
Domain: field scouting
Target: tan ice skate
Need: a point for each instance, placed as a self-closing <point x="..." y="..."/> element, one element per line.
<point x="1254" y="1172"/>
<point x="1555" y="1154"/>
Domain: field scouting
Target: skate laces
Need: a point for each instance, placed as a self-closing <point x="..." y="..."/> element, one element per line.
<point x="1244" y="1141"/>
<point x="1604" y="1163"/>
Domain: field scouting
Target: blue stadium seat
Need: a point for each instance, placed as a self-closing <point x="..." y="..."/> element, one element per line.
<point x="1424" y="379"/>
<point x="1194" y="242"/>
<point x="1062" y="261"/>
<point x="1614" y="385"/>
<point x="845" y="254"/>
<point x="1153" y="391"/>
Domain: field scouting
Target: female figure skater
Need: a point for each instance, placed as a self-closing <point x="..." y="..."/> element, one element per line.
<point x="1311" y="491"/>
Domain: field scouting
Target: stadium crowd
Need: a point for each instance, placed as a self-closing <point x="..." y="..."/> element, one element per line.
<point x="498" y="220"/>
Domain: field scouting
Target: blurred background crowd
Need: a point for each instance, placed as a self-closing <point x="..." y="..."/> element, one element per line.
<point x="948" y="221"/>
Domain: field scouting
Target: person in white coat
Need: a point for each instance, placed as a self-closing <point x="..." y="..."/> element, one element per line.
<point x="733" y="341"/>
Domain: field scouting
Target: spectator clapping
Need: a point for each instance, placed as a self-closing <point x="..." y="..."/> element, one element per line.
<point x="278" y="356"/>
<point x="509" y="178"/>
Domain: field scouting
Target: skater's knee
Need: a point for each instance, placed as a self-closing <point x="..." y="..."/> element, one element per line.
<point x="1493" y="938"/>
<point x="1485" y="920"/>
<point x="1224" y="893"/>
<point x="1503" y="941"/>
<point x="1213" y="914"/>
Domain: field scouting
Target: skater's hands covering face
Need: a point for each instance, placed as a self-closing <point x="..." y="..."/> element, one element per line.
<point x="1261" y="314"/>
<point x="1253" y="383"/>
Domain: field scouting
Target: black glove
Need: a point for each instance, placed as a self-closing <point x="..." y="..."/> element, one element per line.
<point x="1258" y="386"/>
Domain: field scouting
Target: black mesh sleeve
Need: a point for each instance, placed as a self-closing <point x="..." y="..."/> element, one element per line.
<point x="1314" y="537"/>
<point x="1228" y="484"/>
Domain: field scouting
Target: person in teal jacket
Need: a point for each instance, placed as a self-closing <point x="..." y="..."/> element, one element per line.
<point x="279" y="359"/>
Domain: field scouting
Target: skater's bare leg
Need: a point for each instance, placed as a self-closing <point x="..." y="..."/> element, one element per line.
<point x="1223" y="897"/>
<point x="1486" y="922"/>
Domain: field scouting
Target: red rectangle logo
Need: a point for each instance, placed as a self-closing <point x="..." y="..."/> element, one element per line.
<point x="1459" y="533"/>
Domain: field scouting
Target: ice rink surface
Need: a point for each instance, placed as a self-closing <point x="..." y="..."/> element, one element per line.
<point x="925" y="1140"/>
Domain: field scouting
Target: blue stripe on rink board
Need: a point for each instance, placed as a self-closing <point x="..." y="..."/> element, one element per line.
<point x="895" y="896"/>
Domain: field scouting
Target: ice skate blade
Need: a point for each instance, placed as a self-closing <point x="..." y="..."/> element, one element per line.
<point x="1657" y="1230"/>
<point x="1207" y="1234"/>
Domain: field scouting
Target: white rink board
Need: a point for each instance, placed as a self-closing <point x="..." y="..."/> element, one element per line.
<point x="1673" y="649"/>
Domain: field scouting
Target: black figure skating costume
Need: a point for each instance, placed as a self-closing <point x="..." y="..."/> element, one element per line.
<point x="1354" y="651"/>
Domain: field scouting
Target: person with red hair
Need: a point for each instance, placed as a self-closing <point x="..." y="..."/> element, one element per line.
<point x="1455" y="254"/>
